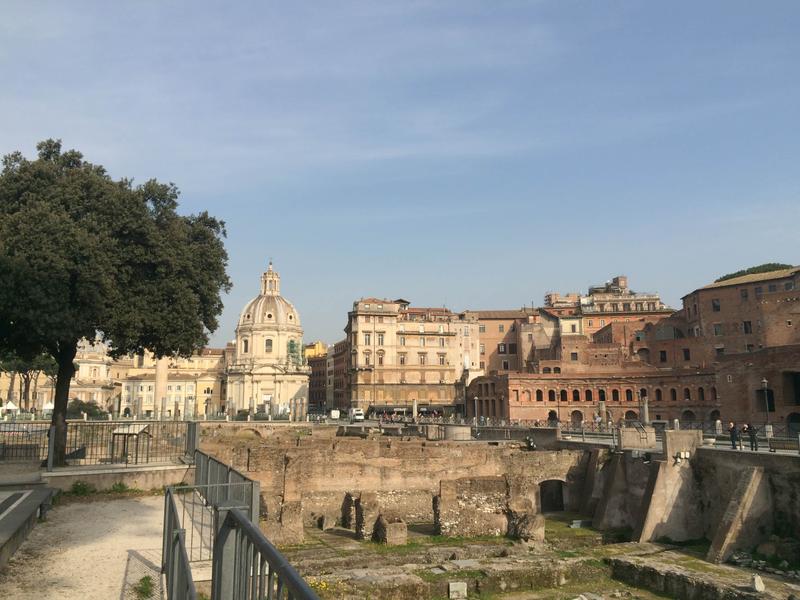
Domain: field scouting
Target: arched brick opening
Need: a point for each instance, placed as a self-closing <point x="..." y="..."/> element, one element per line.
<point x="551" y="495"/>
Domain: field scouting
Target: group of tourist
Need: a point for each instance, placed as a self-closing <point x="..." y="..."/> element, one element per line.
<point x="748" y="429"/>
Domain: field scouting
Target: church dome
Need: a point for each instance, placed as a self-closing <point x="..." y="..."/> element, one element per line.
<point x="269" y="307"/>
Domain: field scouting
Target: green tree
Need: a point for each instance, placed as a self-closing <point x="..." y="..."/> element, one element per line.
<point x="28" y="371"/>
<point x="765" y="268"/>
<point x="86" y="256"/>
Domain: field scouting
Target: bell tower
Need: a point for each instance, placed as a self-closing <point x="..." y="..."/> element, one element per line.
<point x="270" y="282"/>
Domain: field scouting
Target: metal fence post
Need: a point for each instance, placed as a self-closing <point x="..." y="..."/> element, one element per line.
<point x="255" y="502"/>
<point x="51" y="441"/>
<point x="223" y="561"/>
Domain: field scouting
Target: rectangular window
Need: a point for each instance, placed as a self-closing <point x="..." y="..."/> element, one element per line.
<point x="380" y="360"/>
<point x="466" y="331"/>
<point x="788" y="286"/>
<point x="441" y="359"/>
<point x="422" y="358"/>
<point x="720" y="351"/>
<point x="759" y="291"/>
<point x="505" y="365"/>
<point x="512" y="348"/>
<point x="441" y="342"/>
<point x="573" y="356"/>
<point x="747" y="326"/>
<point x="530" y="337"/>
<point x="715" y="306"/>
<point x="482" y="365"/>
<point x="717" y="329"/>
<point x="380" y="339"/>
<point x="662" y="356"/>
<point x="501" y="348"/>
<point x="573" y="328"/>
<point x="590" y="323"/>
<point x="422" y="342"/>
<point x="483" y="348"/>
<point x="743" y="293"/>
<point x="501" y="328"/>
<point x="481" y="328"/>
<point x="687" y="354"/>
<point x="367" y="339"/>
<point x="402" y="359"/>
<point x="773" y="287"/>
<point x="749" y="348"/>
<point x="602" y="322"/>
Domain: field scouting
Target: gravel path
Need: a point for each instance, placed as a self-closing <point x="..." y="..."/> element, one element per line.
<point x="88" y="551"/>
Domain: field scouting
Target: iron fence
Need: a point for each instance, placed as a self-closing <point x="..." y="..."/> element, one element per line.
<point x="23" y="441"/>
<point x="174" y="558"/>
<point x="247" y="566"/>
<point x="219" y="482"/>
<point x="118" y="443"/>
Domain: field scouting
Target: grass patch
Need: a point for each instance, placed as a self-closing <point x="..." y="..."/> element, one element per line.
<point x="119" y="487"/>
<point x="82" y="488"/>
<point x="144" y="588"/>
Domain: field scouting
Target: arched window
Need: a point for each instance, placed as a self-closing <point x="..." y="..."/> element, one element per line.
<point x="245" y="345"/>
<point x="551" y="396"/>
<point x="539" y="396"/>
<point x="615" y="395"/>
<point x="527" y="396"/>
<point x="380" y="358"/>
<point x="601" y="395"/>
<point x="673" y="394"/>
<point x="556" y="369"/>
<point x="588" y="395"/>
<point x="714" y="416"/>
<point x="629" y="395"/>
<point x="687" y="394"/>
<point x="658" y="395"/>
<point x="367" y="358"/>
<point x="576" y="395"/>
<point x="563" y="395"/>
<point x="268" y="345"/>
<point x="713" y="394"/>
<point x="631" y="415"/>
<point x="546" y="370"/>
<point x="701" y="394"/>
<point x="643" y="392"/>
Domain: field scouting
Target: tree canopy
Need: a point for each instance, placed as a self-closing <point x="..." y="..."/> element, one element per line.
<point x="85" y="256"/>
<point x="765" y="268"/>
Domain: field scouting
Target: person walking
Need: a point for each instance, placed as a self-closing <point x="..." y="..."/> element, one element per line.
<point x="734" y="431"/>
<point x="752" y="433"/>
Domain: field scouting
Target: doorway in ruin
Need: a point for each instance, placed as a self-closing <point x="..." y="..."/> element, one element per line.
<point x="793" y="423"/>
<point x="552" y="416"/>
<point x="577" y="418"/>
<point x="551" y="496"/>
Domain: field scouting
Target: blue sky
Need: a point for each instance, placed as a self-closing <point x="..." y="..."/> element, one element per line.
<point x="473" y="154"/>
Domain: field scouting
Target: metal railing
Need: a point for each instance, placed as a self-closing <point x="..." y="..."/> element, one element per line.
<point x="23" y="441"/>
<point x="247" y="566"/>
<point x="174" y="558"/>
<point x="219" y="482"/>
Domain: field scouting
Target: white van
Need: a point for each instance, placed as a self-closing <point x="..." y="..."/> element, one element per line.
<point x="356" y="414"/>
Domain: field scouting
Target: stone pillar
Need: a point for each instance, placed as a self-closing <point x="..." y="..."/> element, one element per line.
<point x="602" y="410"/>
<point x="676" y="424"/>
<point x="414" y="410"/>
<point x="645" y="411"/>
<point x="160" y="387"/>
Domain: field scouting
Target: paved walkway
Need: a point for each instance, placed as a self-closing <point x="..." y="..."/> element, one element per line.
<point x="94" y="550"/>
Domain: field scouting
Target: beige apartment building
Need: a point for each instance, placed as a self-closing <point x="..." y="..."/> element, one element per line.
<point x="399" y="354"/>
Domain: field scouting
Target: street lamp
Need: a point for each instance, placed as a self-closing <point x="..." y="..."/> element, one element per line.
<point x="764" y="384"/>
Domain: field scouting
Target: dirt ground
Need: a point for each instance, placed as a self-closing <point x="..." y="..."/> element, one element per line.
<point x="88" y="551"/>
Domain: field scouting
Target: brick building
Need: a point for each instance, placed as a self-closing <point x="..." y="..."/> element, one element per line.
<point x="707" y="361"/>
<point x="317" y="382"/>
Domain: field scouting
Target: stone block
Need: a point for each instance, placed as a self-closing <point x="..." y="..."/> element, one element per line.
<point x="527" y="527"/>
<point x="391" y="533"/>
<point x="457" y="589"/>
<point x="367" y="511"/>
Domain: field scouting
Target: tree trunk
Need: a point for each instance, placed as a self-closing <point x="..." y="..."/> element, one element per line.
<point x="35" y="388"/>
<point x="26" y="390"/>
<point x="12" y="378"/>
<point x="66" y="369"/>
